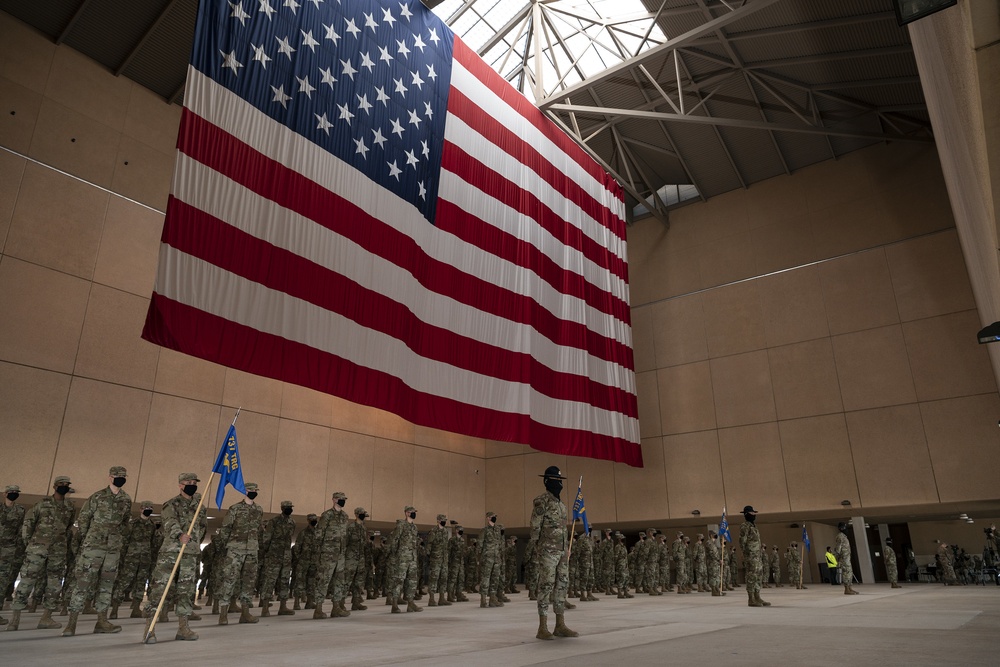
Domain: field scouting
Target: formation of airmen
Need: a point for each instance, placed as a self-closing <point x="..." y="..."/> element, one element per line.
<point x="95" y="561"/>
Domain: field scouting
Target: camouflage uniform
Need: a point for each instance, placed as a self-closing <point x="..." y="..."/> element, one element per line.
<point x="456" y="565"/>
<point x="177" y="517"/>
<point x="890" y="564"/>
<point x="750" y="544"/>
<point x="794" y="559"/>
<point x="355" y="559"/>
<point x="240" y="537"/>
<point x="699" y="564"/>
<point x="277" y="549"/>
<point x="842" y="549"/>
<point x="548" y="547"/>
<point x="733" y="569"/>
<point x="472" y="566"/>
<point x="490" y="555"/>
<point x="437" y="556"/>
<point x="207" y="561"/>
<point x="585" y="571"/>
<point x="944" y="563"/>
<point x="103" y="523"/>
<point x="620" y="559"/>
<point x="331" y="538"/>
<point x="11" y="542"/>
<point x="678" y="553"/>
<point x="402" y="552"/>
<point x="713" y="565"/>
<point x="573" y="589"/>
<point x="136" y="560"/>
<point x="46" y="532"/>
<point x="510" y="565"/>
<point x="607" y="549"/>
<point x="776" y="566"/>
<point x="380" y="558"/>
<point x="638" y="565"/>
<point x="663" y="556"/>
<point x="501" y="579"/>
<point x="304" y="572"/>
<point x="651" y="577"/>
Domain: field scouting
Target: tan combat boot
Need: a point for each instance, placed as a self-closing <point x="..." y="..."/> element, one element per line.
<point x="265" y="608"/>
<point x="224" y="615"/>
<point x="433" y="601"/>
<point x="543" y="628"/>
<point x="339" y="610"/>
<point x="246" y="616"/>
<point x="591" y="598"/>
<point x="358" y="604"/>
<point x="394" y="601"/>
<point x="569" y="605"/>
<point x="561" y="630"/>
<point x="318" y="612"/>
<point x="136" y="612"/>
<point x="716" y="592"/>
<point x="71" y="624"/>
<point x="296" y="606"/>
<point x="763" y="603"/>
<point x="15" y="620"/>
<point x="88" y="609"/>
<point x="215" y="606"/>
<point x="46" y="622"/>
<point x="283" y="610"/>
<point x="184" y="632"/>
<point x="495" y="602"/>
<point x="114" y="612"/>
<point x="103" y="627"/>
<point x="310" y="602"/>
<point x="483" y="601"/>
<point x="412" y="606"/>
<point x="442" y="602"/>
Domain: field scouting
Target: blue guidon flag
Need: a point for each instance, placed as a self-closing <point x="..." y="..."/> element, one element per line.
<point x="362" y="206"/>
<point x="805" y="539"/>
<point x="228" y="466"/>
<point x="724" y="527"/>
<point x="580" y="509"/>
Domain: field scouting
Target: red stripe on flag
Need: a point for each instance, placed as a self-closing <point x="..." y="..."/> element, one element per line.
<point x="215" y="148"/>
<point x="198" y="234"/>
<point x="180" y="327"/>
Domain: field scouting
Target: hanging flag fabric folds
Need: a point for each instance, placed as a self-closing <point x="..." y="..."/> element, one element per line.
<point x="580" y="509"/>
<point x="805" y="539"/>
<point x="362" y="206"/>
<point x="724" y="526"/>
<point x="228" y="466"/>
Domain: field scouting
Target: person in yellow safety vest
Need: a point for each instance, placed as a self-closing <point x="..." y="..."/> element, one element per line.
<point x="831" y="565"/>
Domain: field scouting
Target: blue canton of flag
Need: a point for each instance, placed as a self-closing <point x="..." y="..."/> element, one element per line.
<point x="805" y="539"/>
<point x="580" y="509"/>
<point x="724" y="526"/>
<point x="228" y="466"/>
<point x="367" y="81"/>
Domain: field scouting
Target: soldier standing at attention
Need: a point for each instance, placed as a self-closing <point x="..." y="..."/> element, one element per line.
<point x="331" y="540"/>
<point x="620" y="558"/>
<point x="677" y="552"/>
<point x="842" y="549"/>
<point x="713" y="564"/>
<point x="437" y="557"/>
<point x="136" y="561"/>
<point x="794" y="566"/>
<point x="699" y="564"/>
<point x="585" y="569"/>
<point x="776" y="566"/>
<point x="456" y="565"/>
<point x="103" y="522"/>
<point x="277" y="548"/>
<point x="750" y="544"/>
<point x="305" y="564"/>
<point x="11" y="544"/>
<point x="890" y="564"/>
<point x="355" y="559"/>
<point x="177" y="517"/>
<point x="240" y="537"/>
<point x="402" y="552"/>
<point x="548" y="547"/>
<point x="46" y="532"/>
<point x="490" y="554"/>
<point x="607" y="562"/>
<point x="510" y="564"/>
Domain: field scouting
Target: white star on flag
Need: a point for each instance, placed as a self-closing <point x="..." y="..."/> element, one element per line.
<point x="229" y="60"/>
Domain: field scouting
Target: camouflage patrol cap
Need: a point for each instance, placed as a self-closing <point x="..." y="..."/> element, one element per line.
<point x="311" y="516"/>
<point x="339" y="495"/>
<point x="61" y="479"/>
<point x="12" y="488"/>
<point x="117" y="471"/>
<point x="146" y="503"/>
<point x="489" y="514"/>
<point x="360" y="511"/>
<point x="409" y="508"/>
<point x="619" y="535"/>
<point x="442" y="517"/>
<point x="287" y="503"/>
<point x="188" y="477"/>
<point x="652" y="531"/>
<point x="642" y="533"/>
<point x="251" y="486"/>
<point x="680" y="533"/>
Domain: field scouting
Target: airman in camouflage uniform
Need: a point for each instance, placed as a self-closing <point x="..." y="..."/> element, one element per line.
<point x="456" y="565"/>
<point x="402" y="554"/>
<point x="699" y="566"/>
<point x="490" y="555"/>
<point x="240" y="538"/>
<point x="794" y="564"/>
<point x="732" y="567"/>
<point x="585" y="572"/>
<point x="103" y="522"/>
<point x="11" y="544"/>
<point x="510" y="565"/>
<point x="891" y="570"/>
<point x="472" y="566"/>
<point x="943" y="557"/>
<point x="651" y="577"/>
<point x="45" y="531"/>
<point x="500" y="590"/>
<point x="331" y="540"/>
<point x="842" y="549"/>
<point x="304" y="569"/>
<point x="370" y="567"/>
<point x="751" y="546"/>
<point x="713" y="564"/>
<point x="548" y="547"/>
<point x="607" y="549"/>
<point x="356" y="559"/>
<point x="437" y="556"/>
<point x="178" y="517"/>
<point x="136" y="561"/>
<point x="678" y="553"/>
<point x="380" y="557"/>
<point x="776" y="567"/>
<point x="277" y="549"/>
<point x="574" y="572"/>
<point x="765" y="561"/>
<point x="663" y="564"/>
<point x="620" y="558"/>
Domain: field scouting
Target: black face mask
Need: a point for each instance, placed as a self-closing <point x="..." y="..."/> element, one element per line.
<point x="118" y="481"/>
<point x="62" y="490"/>
<point x="413" y="515"/>
<point x="287" y="511"/>
<point x="190" y="489"/>
<point x="442" y="523"/>
<point x="461" y="532"/>
<point x="341" y="501"/>
<point x="251" y="494"/>
<point x="493" y="520"/>
<point x="750" y="517"/>
<point x="12" y="496"/>
<point x="313" y="523"/>
<point x="553" y="486"/>
<point x="147" y="512"/>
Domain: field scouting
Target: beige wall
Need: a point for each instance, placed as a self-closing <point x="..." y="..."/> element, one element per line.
<point x="803" y="342"/>
<point x="80" y="391"/>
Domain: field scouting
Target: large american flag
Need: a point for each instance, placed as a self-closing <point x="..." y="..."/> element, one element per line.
<point x="362" y="206"/>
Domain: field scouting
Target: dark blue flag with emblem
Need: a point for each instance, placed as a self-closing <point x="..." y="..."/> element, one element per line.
<point x="724" y="526"/>
<point x="805" y="539"/>
<point x="580" y="508"/>
<point x="229" y="466"/>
